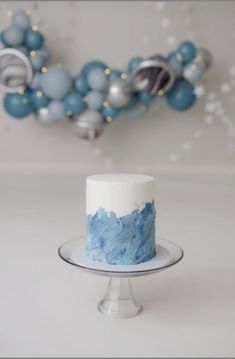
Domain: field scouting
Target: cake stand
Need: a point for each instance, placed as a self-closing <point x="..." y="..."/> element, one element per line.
<point x="119" y="300"/>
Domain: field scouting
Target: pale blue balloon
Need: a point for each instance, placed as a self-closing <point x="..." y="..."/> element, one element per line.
<point x="94" y="100"/>
<point x="21" y="19"/>
<point x="13" y="36"/>
<point x="36" y="81"/>
<point x="56" y="110"/>
<point x="193" y="72"/>
<point x="43" y="53"/>
<point x="56" y="83"/>
<point x="97" y="80"/>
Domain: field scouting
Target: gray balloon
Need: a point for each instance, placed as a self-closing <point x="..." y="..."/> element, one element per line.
<point x="204" y="56"/>
<point x="89" y="125"/>
<point x="119" y="93"/>
<point x="43" y="117"/>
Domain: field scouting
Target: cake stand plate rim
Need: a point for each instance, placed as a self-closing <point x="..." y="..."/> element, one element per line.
<point x="66" y="252"/>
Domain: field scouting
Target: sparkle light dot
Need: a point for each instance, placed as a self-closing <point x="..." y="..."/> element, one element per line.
<point x="160" y="92"/>
<point x="21" y="91"/>
<point x="39" y="93"/>
<point x="109" y="119"/>
<point x="35" y="28"/>
<point x="44" y="69"/>
<point x="123" y="76"/>
<point x="105" y="104"/>
<point x="107" y="71"/>
<point x="33" y="53"/>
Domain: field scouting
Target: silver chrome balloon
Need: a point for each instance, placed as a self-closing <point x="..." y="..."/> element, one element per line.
<point x="43" y="117"/>
<point x="90" y="125"/>
<point x="119" y="93"/>
<point x="15" y="70"/>
<point x="204" y="56"/>
<point x="153" y="76"/>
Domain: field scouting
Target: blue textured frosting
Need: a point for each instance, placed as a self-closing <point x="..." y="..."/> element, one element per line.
<point x="125" y="240"/>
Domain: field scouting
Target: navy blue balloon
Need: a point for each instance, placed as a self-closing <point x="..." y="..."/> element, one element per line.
<point x="39" y="99"/>
<point x="188" y="51"/>
<point x="115" y="74"/>
<point x="80" y="84"/>
<point x="181" y="96"/>
<point x="146" y="98"/>
<point x="33" y="39"/>
<point x="18" y="106"/>
<point x="96" y="64"/>
<point x="135" y="61"/>
<point x="110" y="111"/>
<point x="74" y="103"/>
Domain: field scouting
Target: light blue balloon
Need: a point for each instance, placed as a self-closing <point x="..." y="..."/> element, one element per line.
<point x="193" y="73"/>
<point x="39" y="99"/>
<point x="80" y="84"/>
<point x="44" y="53"/>
<point x="18" y="106"/>
<point x="115" y="74"/>
<point x="74" y="103"/>
<point x="37" y="62"/>
<point x="94" y="100"/>
<point x="181" y="96"/>
<point x="135" y="61"/>
<point x="91" y="65"/>
<point x="21" y="19"/>
<point x="97" y="80"/>
<point x="56" y="82"/>
<point x="173" y="60"/>
<point x="56" y="110"/>
<point x="36" y="81"/>
<point x="188" y="51"/>
<point x="13" y="36"/>
<point x="33" y="39"/>
<point x="146" y="98"/>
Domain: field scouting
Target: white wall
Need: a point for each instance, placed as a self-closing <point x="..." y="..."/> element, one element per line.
<point x="115" y="31"/>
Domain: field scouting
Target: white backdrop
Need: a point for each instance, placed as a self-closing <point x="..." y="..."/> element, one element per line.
<point x="77" y="32"/>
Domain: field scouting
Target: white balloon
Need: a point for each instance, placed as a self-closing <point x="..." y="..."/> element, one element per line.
<point x="119" y="93"/>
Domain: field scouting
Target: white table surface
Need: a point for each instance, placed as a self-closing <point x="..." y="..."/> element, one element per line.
<point x="48" y="308"/>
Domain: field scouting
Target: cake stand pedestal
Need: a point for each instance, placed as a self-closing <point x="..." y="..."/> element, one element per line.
<point x="119" y="300"/>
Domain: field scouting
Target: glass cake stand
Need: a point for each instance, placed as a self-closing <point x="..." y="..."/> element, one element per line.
<point x="119" y="300"/>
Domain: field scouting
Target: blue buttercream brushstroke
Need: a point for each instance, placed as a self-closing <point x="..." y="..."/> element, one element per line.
<point x="125" y="240"/>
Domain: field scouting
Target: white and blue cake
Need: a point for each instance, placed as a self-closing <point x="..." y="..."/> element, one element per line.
<point x="120" y="218"/>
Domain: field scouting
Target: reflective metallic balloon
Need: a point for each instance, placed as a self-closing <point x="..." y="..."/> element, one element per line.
<point x="89" y="125"/>
<point x="119" y="92"/>
<point x="204" y="56"/>
<point x="43" y="117"/>
<point x="154" y="76"/>
<point x="15" y="70"/>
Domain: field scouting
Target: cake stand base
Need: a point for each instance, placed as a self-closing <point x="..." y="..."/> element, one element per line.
<point x="119" y="300"/>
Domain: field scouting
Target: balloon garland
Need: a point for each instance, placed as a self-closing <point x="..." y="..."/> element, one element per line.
<point x="98" y="93"/>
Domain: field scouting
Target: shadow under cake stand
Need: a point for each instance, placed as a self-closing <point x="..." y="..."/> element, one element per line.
<point x="119" y="300"/>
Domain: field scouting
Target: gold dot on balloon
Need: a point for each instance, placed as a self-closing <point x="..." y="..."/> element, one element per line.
<point x="35" y="28"/>
<point x="107" y="71"/>
<point x="39" y="93"/>
<point x="109" y="119"/>
<point x="105" y="104"/>
<point x="33" y="53"/>
<point x="160" y="92"/>
<point x="123" y="75"/>
<point x="44" y="69"/>
<point x="21" y="91"/>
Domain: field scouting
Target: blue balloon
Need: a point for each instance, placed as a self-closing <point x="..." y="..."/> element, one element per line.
<point x="110" y="111"/>
<point x="95" y="64"/>
<point x="80" y="84"/>
<point x="36" y="81"/>
<point x="188" y="51"/>
<point x="13" y="36"/>
<point x="37" y="62"/>
<point x="23" y="50"/>
<point x="21" y="19"/>
<point x="135" y="61"/>
<point x="18" y="106"/>
<point x="43" y="52"/>
<point x="173" y="60"/>
<point x="74" y="103"/>
<point x="115" y="74"/>
<point x="146" y="98"/>
<point x="2" y="38"/>
<point x="33" y="39"/>
<point x="134" y="101"/>
<point x="39" y="99"/>
<point x="181" y="96"/>
<point x="56" y="82"/>
<point x="94" y="100"/>
<point x="97" y="80"/>
<point x="56" y="110"/>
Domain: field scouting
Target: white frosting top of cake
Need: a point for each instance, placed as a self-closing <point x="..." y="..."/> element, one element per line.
<point x="120" y="193"/>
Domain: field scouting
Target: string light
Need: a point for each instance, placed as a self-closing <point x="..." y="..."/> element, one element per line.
<point x="39" y="93"/>
<point x="21" y="91"/>
<point x="105" y="103"/>
<point x="44" y="69"/>
<point x="123" y="76"/>
<point x="35" y="28"/>
<point x="33" y="53"/>
<point x="160" y="92"/>
<point x="109" y="119"/>
<point x="107" y="71"/>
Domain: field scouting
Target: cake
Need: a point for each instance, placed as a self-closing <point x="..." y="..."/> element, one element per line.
<point x="120" y="218"/>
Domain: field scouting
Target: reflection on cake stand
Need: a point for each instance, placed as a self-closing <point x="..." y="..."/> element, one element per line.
<point x="119" y="300"/>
